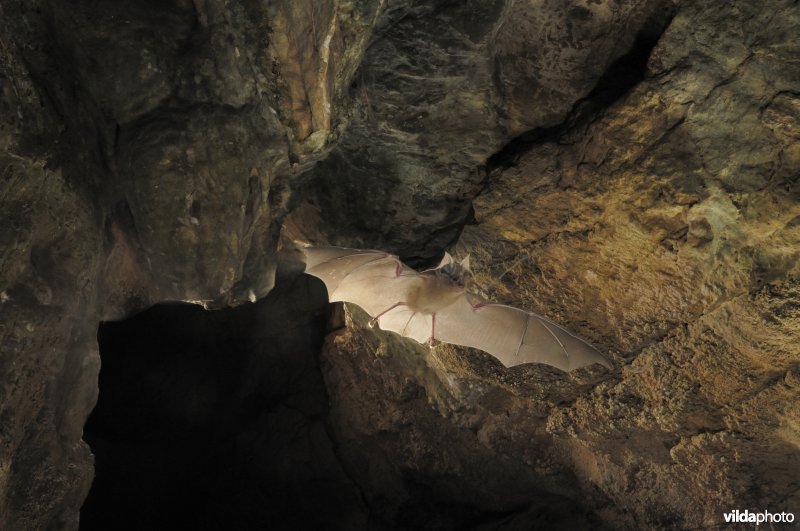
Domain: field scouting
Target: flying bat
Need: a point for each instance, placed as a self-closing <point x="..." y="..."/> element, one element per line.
<point x="434" y="305"/>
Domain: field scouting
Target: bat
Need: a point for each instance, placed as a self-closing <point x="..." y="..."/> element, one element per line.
<point x="434" y="305"/>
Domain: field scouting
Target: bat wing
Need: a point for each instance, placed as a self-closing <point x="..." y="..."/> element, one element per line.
<point x="380" y="283"/>
<point x="514" y="336"/>
<point x="376" y="282"/>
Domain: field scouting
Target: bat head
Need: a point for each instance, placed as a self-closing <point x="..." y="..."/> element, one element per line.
<point x="457" y="273"/>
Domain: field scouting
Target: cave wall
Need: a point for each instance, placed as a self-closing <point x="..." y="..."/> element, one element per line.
<point x="627" y="168"/>
<point x="664" y="228"/>
<point x="442" y="88"/>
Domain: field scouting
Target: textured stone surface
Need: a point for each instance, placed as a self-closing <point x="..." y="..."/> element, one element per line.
<point x="443" y="88"/>
<point x="145" y="152"/>
<point x="665" y="230"/>
<point x="627" y="168"/>
<point x="49" y="270"/>
<point x="436" y="446"/>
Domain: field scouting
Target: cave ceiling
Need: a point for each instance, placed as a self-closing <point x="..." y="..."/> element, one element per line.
<point x="627" y="168"/>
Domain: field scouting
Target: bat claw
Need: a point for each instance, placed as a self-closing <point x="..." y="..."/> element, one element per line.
<point x="372" y="323"/>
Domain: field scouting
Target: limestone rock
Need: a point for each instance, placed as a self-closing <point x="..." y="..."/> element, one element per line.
<point x="443" y="88"/>
<point x="50" y="255"/>
<point x="628" y="168"/>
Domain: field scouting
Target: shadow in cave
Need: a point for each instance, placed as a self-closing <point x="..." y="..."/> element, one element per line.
<point x="215" y="420"/>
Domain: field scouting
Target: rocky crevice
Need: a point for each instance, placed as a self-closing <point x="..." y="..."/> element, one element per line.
<point x="620" y="77"/>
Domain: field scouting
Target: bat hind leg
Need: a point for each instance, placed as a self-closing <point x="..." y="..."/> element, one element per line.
<point x="374" y="320"/>
<point x="432" y="341"/>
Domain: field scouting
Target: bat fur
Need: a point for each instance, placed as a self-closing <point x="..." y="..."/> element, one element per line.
<point x="434" y="305"/>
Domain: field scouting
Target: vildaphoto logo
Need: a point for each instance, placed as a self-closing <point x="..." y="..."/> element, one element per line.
<point x="747" y="517"/>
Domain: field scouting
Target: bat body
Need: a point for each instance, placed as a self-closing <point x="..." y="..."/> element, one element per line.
<point x="434" y="305"/>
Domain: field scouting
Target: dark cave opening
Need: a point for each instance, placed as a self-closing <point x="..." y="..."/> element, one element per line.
<point x="215" y="420"/>
<point x="221" y="420"/>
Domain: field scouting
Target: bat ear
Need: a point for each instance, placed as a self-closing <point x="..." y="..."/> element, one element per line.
<point x="465" y="264"/>
<point x="446" y="260"/>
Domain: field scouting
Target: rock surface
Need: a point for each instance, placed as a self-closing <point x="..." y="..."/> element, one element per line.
<point x="443" y="88"/>
<point x="627" y="168"/>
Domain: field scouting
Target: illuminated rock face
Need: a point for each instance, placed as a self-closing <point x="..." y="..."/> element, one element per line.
<point x="628" y="168"/>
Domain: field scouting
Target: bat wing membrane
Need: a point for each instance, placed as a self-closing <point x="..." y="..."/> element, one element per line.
<point x="333" y="264"/>
<point x="373" y="280"/>
<point x="406" y="322"/>
<point x="514" y="336"/>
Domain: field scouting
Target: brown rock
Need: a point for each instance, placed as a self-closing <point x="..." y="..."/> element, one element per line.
<point x="628" y="169"/>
